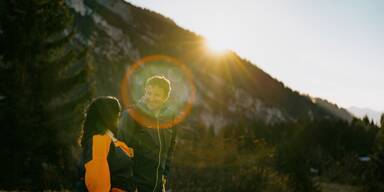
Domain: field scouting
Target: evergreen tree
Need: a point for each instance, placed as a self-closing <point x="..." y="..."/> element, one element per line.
<point x="366" y="120"/>
<point x="43" y="89"/>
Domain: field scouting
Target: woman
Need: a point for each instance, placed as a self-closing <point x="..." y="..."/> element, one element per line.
<point x="103" y="155"/>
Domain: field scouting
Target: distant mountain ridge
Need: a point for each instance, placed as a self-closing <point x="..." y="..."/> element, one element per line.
<point x="230" y="89"/>
<point x="370" y="113"/>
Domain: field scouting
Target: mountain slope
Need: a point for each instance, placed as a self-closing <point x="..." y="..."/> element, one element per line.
<point x="229" y="89"/>
<point x="334" y="109"/>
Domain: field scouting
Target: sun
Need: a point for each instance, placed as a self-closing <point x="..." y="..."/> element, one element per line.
<point x="216" y="46"/>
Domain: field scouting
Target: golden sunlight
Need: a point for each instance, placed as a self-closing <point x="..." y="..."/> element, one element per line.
<point x="216" y="46"/>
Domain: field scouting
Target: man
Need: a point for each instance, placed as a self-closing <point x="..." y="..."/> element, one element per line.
<point x="146" y="128"/>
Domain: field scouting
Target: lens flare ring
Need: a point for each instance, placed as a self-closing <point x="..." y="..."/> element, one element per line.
<point x="126" y="95"/>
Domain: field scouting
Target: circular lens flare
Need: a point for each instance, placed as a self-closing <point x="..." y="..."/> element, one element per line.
<point x="182" y="90"/>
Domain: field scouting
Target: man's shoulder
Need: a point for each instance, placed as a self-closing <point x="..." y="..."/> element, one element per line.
<point x="126" y="120"/>
<point x="126" y="126"/>
<point x="128" y="109"/>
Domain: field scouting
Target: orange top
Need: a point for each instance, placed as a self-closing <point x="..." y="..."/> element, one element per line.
<point x="97" y="175"/>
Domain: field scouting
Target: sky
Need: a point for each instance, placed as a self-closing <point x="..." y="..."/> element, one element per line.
<point x="332" y="49"/>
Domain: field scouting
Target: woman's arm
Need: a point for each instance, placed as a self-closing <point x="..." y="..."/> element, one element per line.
<point x="97" y="175"/>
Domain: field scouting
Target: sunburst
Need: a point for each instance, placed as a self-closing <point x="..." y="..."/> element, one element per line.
<point x="216" y="46"/>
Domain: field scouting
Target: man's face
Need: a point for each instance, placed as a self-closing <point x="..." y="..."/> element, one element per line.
<point x="155" y="97"/>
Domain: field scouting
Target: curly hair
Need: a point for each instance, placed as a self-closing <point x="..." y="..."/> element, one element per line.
<point x="161" y="82"/>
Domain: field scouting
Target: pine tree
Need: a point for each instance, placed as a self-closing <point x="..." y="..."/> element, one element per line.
<point x="43" y="88"/>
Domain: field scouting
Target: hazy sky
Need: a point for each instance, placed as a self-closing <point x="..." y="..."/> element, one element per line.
<point x="333" y="49"/>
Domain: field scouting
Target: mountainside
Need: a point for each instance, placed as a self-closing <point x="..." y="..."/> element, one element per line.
<point x="229" y="89"/>
<point x="334" y="109"/>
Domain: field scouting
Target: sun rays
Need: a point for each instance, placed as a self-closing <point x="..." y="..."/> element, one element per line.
<point x="216" y="46"/>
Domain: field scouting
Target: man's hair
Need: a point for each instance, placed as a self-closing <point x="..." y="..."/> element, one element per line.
<point x="161" y="82"/>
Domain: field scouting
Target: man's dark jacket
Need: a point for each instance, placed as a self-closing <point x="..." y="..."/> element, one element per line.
<point x="153" y="147"/>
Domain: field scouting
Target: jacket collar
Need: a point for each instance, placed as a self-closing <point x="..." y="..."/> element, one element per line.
<point x="164" y="112"/>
